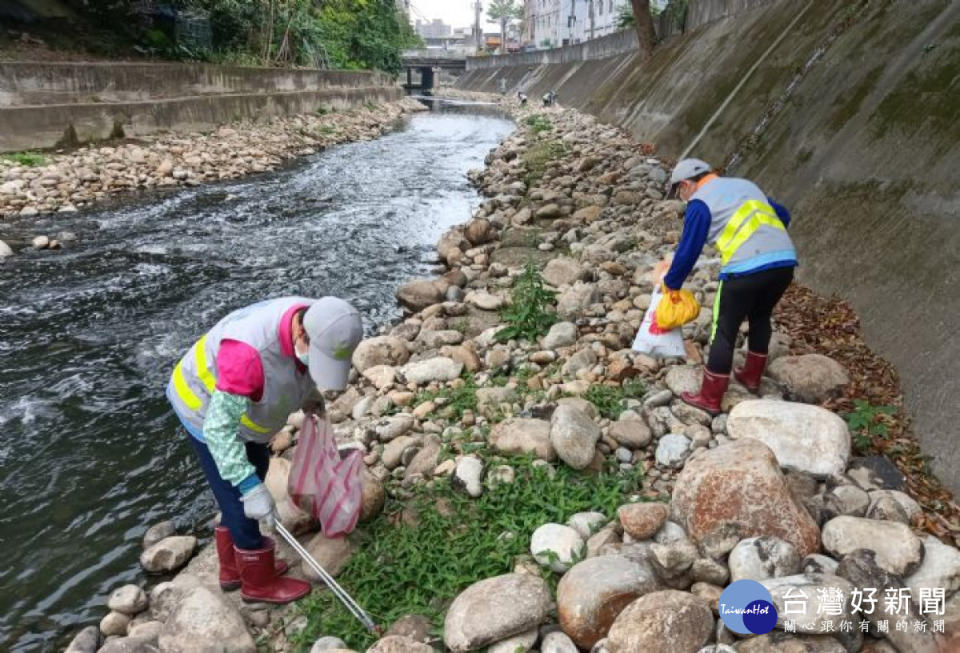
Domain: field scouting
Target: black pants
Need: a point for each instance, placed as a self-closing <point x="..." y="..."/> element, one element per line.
<point x="751" y="297"/>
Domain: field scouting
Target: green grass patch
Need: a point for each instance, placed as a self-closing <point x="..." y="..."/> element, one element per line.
<point x="538" y="123"/>
<point x="326" y="130"/>
<point x="456" y="399"/>
<point x="403" y="569"/>
<point x="529" y="314"/>
<point x="325" y="109"/>
<point x="28" y="159"/>
<point x="538" y="156"/>
<point x="612" y="400"/>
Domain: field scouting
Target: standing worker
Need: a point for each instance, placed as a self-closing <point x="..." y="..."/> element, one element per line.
<point x="232" y="391"/>
<point x="750" y="232"/>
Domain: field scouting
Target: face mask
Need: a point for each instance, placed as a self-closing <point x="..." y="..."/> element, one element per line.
<point x="303" y="358"/>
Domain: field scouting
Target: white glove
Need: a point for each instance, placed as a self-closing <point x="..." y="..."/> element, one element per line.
<point x="258" y="504"/>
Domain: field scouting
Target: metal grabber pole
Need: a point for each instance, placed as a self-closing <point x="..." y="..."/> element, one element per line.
<point x="340" y="593"/>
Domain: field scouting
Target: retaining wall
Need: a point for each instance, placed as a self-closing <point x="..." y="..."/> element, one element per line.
<point x="44" y="105"/>
<point x="850" y="121"/>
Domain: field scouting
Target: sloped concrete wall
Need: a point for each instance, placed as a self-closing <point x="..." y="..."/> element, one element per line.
<point x="851" y="121"/>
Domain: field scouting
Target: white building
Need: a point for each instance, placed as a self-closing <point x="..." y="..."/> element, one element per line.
<point x="550" y="23"/>
<point x="435" y="29"/>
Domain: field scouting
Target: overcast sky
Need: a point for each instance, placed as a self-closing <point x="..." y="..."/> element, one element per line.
<point x="456" y="13"/>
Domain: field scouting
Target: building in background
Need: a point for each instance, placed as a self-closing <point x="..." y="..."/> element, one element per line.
<point x="552" y="23"/>
<point x="435" y="29"/>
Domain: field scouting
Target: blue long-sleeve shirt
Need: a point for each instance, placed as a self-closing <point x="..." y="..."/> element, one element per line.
<point x="696" y="227"/>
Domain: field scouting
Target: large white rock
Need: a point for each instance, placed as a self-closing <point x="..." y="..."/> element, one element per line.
<point x="898" y="550"/>
<point x="205" y="622"/>
<point x="759" y="558"/>
<point x="804" y="438"/>
<point x="940" y="568"/>
<point x="561" y="271"/>
<point x="494" y="609"/>
<point x="557" y="546"/>
<point x="672" y="450"/>
<point x="128" y="599"/>
<point x="810" y="377"/>
<point x="667" y="621"/>
<point x="439" y="368"/>
<point x="169" y="554"/>
<point x="574" y="436"/>
<point x="468" y="476"/>
<point x="381" y="350"/>
<point x="561" y="334"/>
<point x="5" y="250"/>
<point x="519" y="435"/>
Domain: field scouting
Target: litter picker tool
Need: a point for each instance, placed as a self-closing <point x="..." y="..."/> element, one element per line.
<point x="340" y="593"/>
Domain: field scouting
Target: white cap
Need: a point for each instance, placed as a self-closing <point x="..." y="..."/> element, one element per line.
<point x="335" y="330"/>
<point x="687" y="169"/>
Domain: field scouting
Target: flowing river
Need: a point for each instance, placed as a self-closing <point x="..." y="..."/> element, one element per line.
<point x="90" y="455"/>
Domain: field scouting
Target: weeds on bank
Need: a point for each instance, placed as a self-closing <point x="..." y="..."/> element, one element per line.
<point x="868" y="421"/>
<point x="538" y="123"/>
<point x="538" y="156"/>
<point x="28" y="159"/>
<point x="529" y="314"/>
<point x="454" y="399"/>
<point x="448" y="541"/>
<point x="612" y="400"/>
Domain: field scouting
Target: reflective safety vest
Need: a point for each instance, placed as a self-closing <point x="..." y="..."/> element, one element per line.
<point x="744" y="227"/>
<point x="285" y="388"/>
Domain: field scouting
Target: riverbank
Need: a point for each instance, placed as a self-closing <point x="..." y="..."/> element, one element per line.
<point x="547" y="485"/>
<point x="32" y="184"/>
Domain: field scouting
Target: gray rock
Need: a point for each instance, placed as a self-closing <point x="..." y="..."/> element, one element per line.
<point x="86" y="641"/>
<point x="114" y="623"/>
<point x="148" y="630"/>
<point x="327" y="643"/>
<point x="427" y="371"/>
<point x="667" y="621"/>
<point x="205" y="621"/>
<point x="557" y="547"/>
<point x="157" y="532"/>
<point x="810" y="377"/>
<point x="582" y="360"/>
<point x="561" y="271"/>
<point x="522" y="642"/>
<point x="670" y="532"/>
<point x="898" y="550"/>
<point x="399" y="644"/>
<point x="169" y="554"/>
<point x="522" y="435"/>
<point x="468" y="476"/>
<point x="129" y="645"/>
<point x="587" y="523"/>
<point x="758" y="558"/>
<point x="684" y="378"/>
<point x="673" y="560"/>
<point x="393" y="451"/>
<point x="816" y="563"/>
<point x="631" y="433"/>
<point x="805" y="438"/>
<point x="880" y="506"/>
<point x="708" y="570"/>
<point x="574" y="436"/>
<point x="846" y="500"/>
<point x="557" y="642"/>
<point x="813" y="602"/>
<point x="381" y="350"/>
<point x="940" y="568"/>
<point x="576" y="300"/>
<point x="561" y="334"/>
<point x="672" y="450"/>
<point x="779" y="642"/>
<point x="419" y="294"/>
<point x="595" y="591"/>
<point x="494" y="609"/>
<point x="129" y="600"/>
<point x="5" y="251"/>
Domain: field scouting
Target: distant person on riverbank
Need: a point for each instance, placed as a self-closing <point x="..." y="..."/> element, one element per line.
<point x="522" y="97"/>
<point x="232" y="391"/>
<point x="749" y="230"/>
<point x="550" y="99"/>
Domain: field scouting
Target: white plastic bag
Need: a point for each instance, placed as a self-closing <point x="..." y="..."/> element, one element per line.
<point x="321" y="483"/>
<point x="652" y="340"/>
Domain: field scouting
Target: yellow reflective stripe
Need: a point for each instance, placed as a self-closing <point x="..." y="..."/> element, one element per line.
<point x="203" y="372"/>
<point x="186" y="395"/>
<point x="755" y="213"/>
<point x="250" y="424"/>
<point x="209" y="381"/>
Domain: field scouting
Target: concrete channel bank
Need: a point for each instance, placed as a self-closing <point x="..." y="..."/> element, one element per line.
<point x="850" y="119"/>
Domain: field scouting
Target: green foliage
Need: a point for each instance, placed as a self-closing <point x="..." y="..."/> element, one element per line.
<point x="612" y="400"/>
<point x="455" y="400"/>
<point x="528" y="315"/>
<point x="28" y="159"/>
<point x="538" y="123"/>
<point x="538" y="156"/>
<point x="625" y="16"/>
<point x="867" y="422"/>
<point x="452" y="542"/>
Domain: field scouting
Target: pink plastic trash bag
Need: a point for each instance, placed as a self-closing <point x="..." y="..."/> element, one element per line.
<point x="321" y="483"/>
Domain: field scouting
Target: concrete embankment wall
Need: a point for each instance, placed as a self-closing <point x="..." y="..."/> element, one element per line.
<point x="852" y="121"/>
<point x="44" y="105"/>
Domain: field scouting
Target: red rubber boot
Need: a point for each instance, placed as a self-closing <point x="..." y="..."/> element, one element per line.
<point x="711" y="392"/>
<point x="229" y="574"/>
<point x="259" y="580"/>
<point x="752" y="371"/>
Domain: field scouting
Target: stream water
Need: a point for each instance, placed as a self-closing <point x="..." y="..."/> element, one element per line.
<point x="90" y="455"/>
